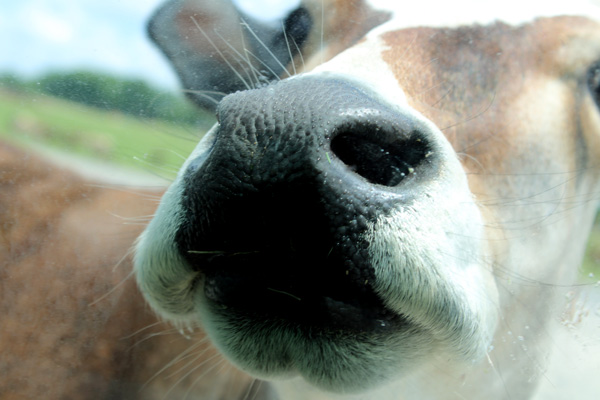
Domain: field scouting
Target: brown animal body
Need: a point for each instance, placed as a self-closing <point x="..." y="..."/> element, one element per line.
<point x="73" y="324"/>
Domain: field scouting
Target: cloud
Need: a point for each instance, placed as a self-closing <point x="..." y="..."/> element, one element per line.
<point x="268" y="10"/>
<point x="52" y="27"/>
<point x="64" y="35"/>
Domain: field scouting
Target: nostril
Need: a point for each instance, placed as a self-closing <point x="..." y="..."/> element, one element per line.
<point x="380" y="158"/>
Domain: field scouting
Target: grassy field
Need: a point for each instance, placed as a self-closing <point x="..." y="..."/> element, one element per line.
<point x="142" y="144"/>
<point x="108" y="136"/>
<point x="590" y="270"/>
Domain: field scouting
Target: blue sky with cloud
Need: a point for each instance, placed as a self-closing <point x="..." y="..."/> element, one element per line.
<point x="109" y="36"/>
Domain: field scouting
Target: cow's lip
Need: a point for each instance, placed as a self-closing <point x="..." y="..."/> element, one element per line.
<point x="232" y="287"/>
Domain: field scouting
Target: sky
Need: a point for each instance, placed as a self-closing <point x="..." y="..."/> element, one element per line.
<point x="37" y="36"/>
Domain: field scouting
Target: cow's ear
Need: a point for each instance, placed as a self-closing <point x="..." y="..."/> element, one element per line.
<point x="216" y="49"/>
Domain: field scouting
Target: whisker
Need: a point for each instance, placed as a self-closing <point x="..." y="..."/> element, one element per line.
<point x="430" y="88"/>
<point x="255" y="72"/>
<point x="129" y="220"/>
<point x="240" y="57"/>
<point x="264" y="65"/>
<point x="184" y="354"/>
<point x="521" y="199"/>
<point x="217" y="92"/>
<point x="117" y="286"/>
<point x="289" y="49"/>
<point x="127" y="189"/>
<point x="153" y="335"/>
<point x="177" y="154"/>
<point x="194" y="355"/>
<point x="249" y="390"/>
<point x="244" y="23"/>
<point x="142" y="329"/>
<point x="476" y="161"/>
<point x="471" y="118"/>
<point x="545" y="173"/>
<point x="443" y="96"/>
<point x="240" y="77"/>
<point x="299" y="52"/>
<point x="205" y="94"/>
<point x="171" y="170"/>
<point x="220" y="363"/>
<point x="256" y="392"/>
<point x="129" y="253"/>
<point x="321" y="50"/>
<point x="191" y="371"/>
<point x="499" y="374"/>
<point x="409" y="47"/>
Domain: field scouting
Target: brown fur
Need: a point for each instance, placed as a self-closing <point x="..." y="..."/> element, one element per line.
<point x="467" y="80"/>
<point x="72" y="322"/>
<point x="343" y="22"/>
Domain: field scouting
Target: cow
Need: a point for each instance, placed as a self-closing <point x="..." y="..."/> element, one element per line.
<point x="391" y="205"/>
<point x="378" y="221"/>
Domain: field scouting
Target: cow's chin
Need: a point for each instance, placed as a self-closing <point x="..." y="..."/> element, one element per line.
<point x="436" y="300"/>
<point x="348" y="359"/>
<point x="431" y="304"/>
<point x="333" y="360"/>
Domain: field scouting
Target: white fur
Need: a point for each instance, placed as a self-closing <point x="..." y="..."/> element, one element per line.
<point x="163" y="275"/>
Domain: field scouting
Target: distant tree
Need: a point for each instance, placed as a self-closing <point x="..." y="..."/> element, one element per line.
<point x="82" y="87"/>
<point x="136" y="98"/>
<point x="130" y="96"/>
<point x="12" y="82"/>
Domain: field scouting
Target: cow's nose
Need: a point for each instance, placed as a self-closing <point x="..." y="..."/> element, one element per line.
<point x="277" y="210"/>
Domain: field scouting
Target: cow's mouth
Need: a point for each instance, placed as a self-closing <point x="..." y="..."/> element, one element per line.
<point x="285" y="287"/>
<point x="292" y="296"/>
<point x="262" y="258"/>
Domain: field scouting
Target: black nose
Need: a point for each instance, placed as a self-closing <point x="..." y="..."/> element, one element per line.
<point x="277" y="210"/>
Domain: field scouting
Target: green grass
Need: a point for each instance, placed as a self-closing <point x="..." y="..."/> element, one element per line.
<point x="105" y="135"/>
<point x="590" y="269"/>
<point x="143" y="144"/>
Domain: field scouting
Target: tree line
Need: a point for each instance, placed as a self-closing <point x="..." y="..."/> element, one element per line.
<point x="130" y="96"/>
